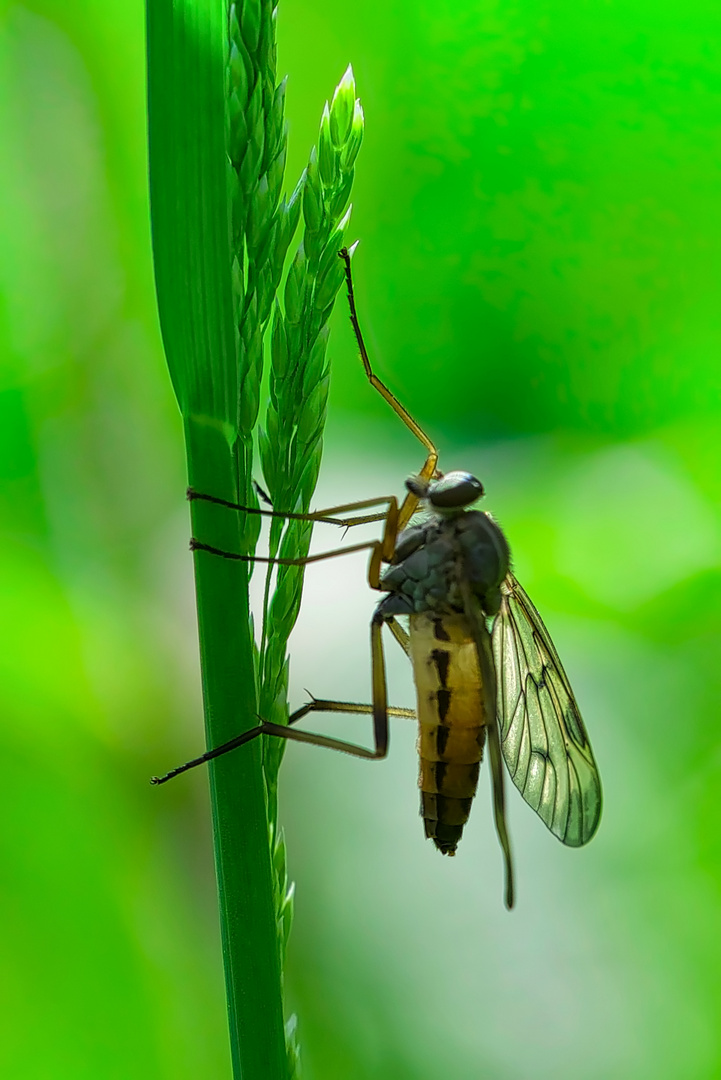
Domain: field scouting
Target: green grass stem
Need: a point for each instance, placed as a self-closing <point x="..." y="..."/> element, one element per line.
<point x="221" y="232"/>
<point x="240" y="825"/>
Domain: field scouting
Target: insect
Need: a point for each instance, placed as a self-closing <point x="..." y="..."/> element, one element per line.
<point x="484" y="665"/>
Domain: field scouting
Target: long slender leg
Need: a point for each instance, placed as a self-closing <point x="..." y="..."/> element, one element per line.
<point x="313" y="515"/>
<point x="390" y="517"/>
<point x="347" y="523"/>
<point x="410" y="503"/>
<point x="379" y="710"/>
<point x="482" y="639"/>
<point x="354" y="707"/>
<point x="368" y="519"/>
<point x="374" y="566"/>
<point x="499" y="807"/>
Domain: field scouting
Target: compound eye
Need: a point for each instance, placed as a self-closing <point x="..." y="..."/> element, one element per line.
<point x="417" y="486"/>
<point x="454" y="491"/>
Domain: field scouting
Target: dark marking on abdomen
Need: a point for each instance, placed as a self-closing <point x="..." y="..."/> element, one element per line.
<point x="442" y="659"/>
<point x="455" y="781"/>
<point x="443" y="697"/>
<point x="452" y="722"/>
<point x="439" y="768"/>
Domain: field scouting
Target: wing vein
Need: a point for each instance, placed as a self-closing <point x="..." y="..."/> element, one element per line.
<point x="541" y="723"/>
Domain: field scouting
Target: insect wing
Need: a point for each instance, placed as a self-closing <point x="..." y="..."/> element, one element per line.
<point x="544" y="742"/>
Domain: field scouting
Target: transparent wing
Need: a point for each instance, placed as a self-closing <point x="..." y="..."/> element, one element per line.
<point x="544" y="742"/>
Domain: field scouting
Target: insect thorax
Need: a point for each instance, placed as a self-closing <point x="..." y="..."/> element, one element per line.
<point x="432" y="559"/>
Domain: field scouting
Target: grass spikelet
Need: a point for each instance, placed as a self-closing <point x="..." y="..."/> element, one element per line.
<point x="290" y="440"/>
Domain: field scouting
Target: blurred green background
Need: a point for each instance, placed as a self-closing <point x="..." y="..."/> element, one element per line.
<point x="538" y="280"/>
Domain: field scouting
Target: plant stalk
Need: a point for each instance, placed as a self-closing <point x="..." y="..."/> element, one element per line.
<point x="242" y="854"/>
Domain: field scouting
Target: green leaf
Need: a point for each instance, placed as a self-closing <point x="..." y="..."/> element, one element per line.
<point x="315" y="368"/>
<point x="329" y="286"/>
<point x="327" y="153"/>
<point x="260" y="216"/>
<point x="350" y="151"/>
<point x="295" y="288"/>
<point x="276" y="119"/>
<point x="340" y="198"/>
<point x="279" y="343"/>
<point x="329" y="255"/>
<point x="238" y="75"/>
<point x="313" y="195"/>
<point x="276" y="172"/>
<point x="250" y="20"/>
<point x="254" y="111"/>
<point x="341" y="109"/>
<point x="200" y="286"/>
<point x="267" y="459"/>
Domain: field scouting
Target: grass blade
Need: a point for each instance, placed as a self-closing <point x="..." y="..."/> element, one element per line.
<point x="220" y="236"/>
<point x="187" y="55"/>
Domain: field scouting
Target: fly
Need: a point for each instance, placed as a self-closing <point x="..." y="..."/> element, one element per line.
<point x="484" y="665"/>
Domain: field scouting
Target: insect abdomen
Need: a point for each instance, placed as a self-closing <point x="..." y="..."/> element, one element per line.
<point x="451" y="720"/>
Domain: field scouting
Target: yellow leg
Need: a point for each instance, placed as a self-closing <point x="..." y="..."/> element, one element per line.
<point x="400" y="635"/>
<point x="379" y="710"/>
<point x="410" y="502"/>
<point x="482" y="639"/>
<point x="390" y="517"/>
<point x="374" y="566"/>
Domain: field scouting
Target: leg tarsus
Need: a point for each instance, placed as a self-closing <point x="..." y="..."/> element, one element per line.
<point x="262" y="493"/>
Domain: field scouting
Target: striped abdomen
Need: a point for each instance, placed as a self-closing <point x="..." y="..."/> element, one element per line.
<point x="452" y="723"/>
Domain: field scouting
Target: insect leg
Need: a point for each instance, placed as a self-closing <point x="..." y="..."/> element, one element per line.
<point x="313" y="515"/>
<point x="482" y="639"/>
<point x="379" y="710"/>
<point x="316" y="515"/>
<point x="355" y="707"/>
<point x="499" y="807"/>
<point x="374" y="566"/>
<point x="411" y="502"/>
<point x="399" y="634"/>
<point x="381" y="550"/>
